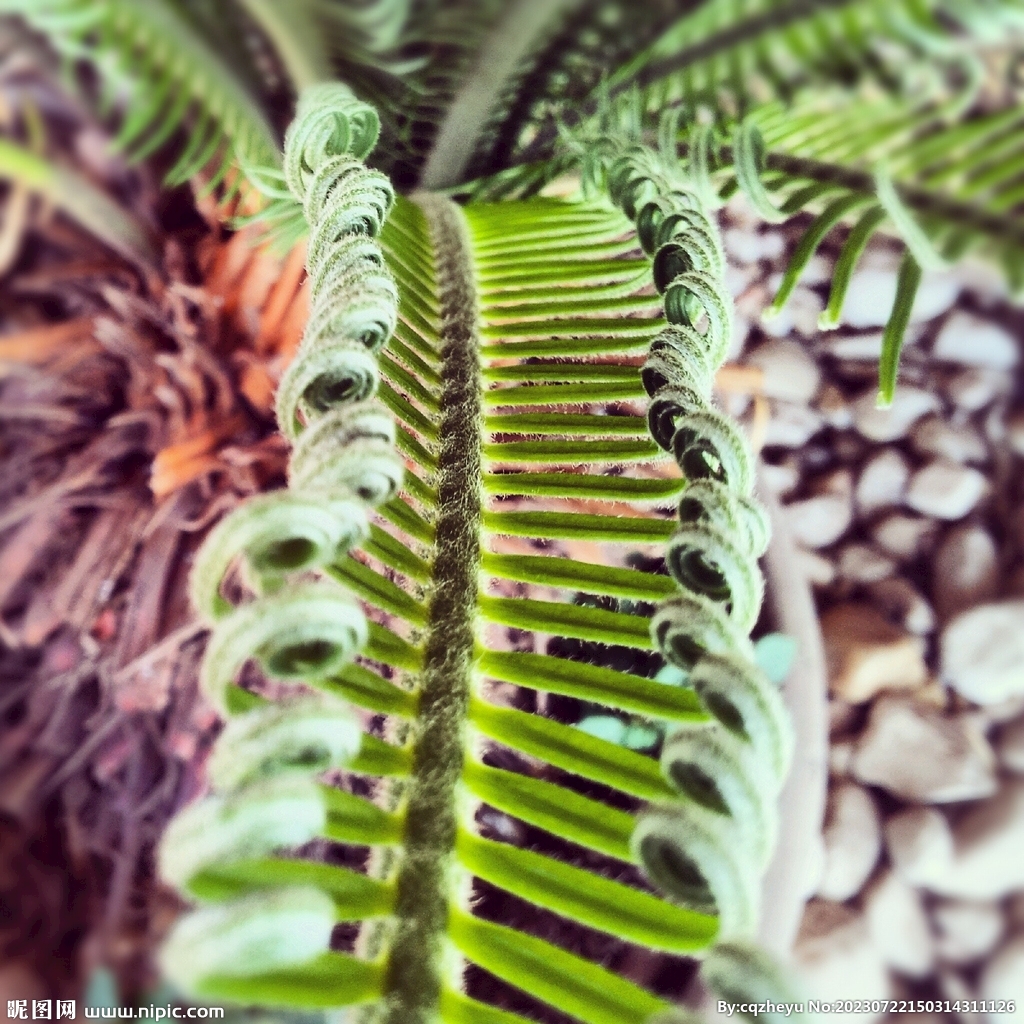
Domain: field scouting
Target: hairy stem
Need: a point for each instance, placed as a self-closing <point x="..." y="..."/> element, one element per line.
<point x="424" y="882"/>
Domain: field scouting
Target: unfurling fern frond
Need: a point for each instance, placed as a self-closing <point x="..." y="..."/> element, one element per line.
<point x="264" y="794"/>
<point x="514" y="375"/>
<point x="709" y="850"/>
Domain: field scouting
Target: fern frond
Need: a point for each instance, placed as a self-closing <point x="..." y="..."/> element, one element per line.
<point x="729" y="58"/>
<point x="152" y="54"/>
<point x="950" y="187"/>
<point x="488" y="377"/>
<point x="85" y="204"/>
<point x="564" y="52"/>
<point x="732" y="56"/>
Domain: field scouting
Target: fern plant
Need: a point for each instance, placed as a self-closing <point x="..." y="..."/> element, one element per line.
<point x="501" y="420"/>
<point x="486" y="355"/>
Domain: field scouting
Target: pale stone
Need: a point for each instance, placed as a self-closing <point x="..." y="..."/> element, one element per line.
<point x="1003" y="978"/>
<point x="819" y="521"/>
<point x="867" y="654"/>
<point x="897" y="599"/>
<point x="791" y="425"/>
<point x="934" y="436"/>
<point x="975" y="387"/>
<point x="902" y="536"/>
<point x="852" y="839"/>
<point x="967" y="929"/>
<point x="965" y="571"/>
<point x="835" y="959"/>
<point x="816" y="569"/>
<point x="822" y="519"/>
<point x="861" y="563"/>
<point x="1010" y="747"/>
<point x="738" y="278"/>
<point x="970" y="341"/>
<point x="790" y="373"/>
<point x="882" y="481"/>
<point x="945" y="490"/>
<point x="780" y="477"/>
<point x="800" y="314"/>
<point x="919" y="754"/>
<point x="983" y="277"/>
<point x="978" y="859"/>
<point x="750" y="305"/>
<point x="854" y="346"/>
<point x="817" y="271"/>
<point x="920" y="844"/>
<point x="805" y="307"/>
<point x="899" y="925"/>
<point x="834" y="408"/>
<point x="982" y="652"/>
<point x="872" y="291"/>
<point x="895" y="421"/>
<point x="865" y="347"/>
<point x="749" y="246"/>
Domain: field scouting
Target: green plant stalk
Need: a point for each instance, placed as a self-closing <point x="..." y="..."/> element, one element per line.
<point x="413" y="983"/>
<point x="85" y="204"/>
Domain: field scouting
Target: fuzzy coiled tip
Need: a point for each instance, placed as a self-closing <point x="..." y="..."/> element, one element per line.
<point x="686" y="626"/>
<point x="708" y="445"/>
<point x="678" y="356"/>
<point x="705" y="560"/>
<point x="262" y="932"/>
<point x="333" y="375"/>
<point x="305" y="632"/>
<point x="711" y="503"/>
<point x="361" y="305"/>
<point x="744" y="701"/>
<point x="329" y="121"/>
<point x="285" y="810"/>
<point x="719" y="771"/>
<point x="312" y="732"/>
<point x="342" y="197"/>
<point x="689" y="852"/>
<point x="351" y="449"/>
<point x="273" y="534"/>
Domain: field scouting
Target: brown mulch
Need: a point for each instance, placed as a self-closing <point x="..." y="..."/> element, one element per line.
<point x="135" y="408"/>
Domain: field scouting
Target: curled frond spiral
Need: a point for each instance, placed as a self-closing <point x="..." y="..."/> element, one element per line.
<point x="329" y="122"/>
<point x="281" y="811"/>
<point x="275" y="534"/>
<point x="263" y="768"/>
<point x="261" y="932"/>
<point x="314" y="732"/>
<point x="709" y="849"/>
<point x="305" y="632"/>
